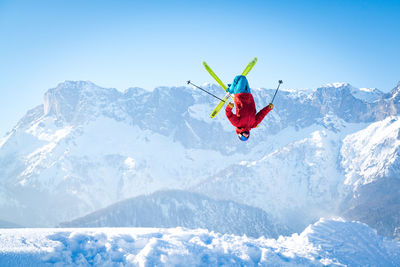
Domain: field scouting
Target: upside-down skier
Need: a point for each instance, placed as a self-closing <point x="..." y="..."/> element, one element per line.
<point x="246" y="117"/>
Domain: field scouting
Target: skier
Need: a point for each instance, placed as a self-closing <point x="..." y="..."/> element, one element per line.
<point x="246" y="117"/>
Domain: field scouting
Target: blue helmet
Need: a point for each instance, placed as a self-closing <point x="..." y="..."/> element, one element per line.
<point x="244" y="138"/>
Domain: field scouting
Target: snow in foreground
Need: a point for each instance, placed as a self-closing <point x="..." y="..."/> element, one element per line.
<point x="328" y="242"/>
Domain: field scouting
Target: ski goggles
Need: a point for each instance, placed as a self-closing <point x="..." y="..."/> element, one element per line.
<point x="242" y="137"/>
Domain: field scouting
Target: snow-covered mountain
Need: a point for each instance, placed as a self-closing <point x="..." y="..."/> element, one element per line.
<point x="175" y="208"/>
<point x="88" y="147"/>
<point x="371" y="162"/>
<point x="297" y="183"/>
<point x="369" y="95"/>
<point x="372" y="153"/>
<point x="326" y="243"/>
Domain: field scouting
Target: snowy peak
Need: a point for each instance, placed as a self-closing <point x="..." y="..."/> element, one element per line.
<point x="335" y="89"/>
<point x="64" y="98"/>
<point x="365" y="94"/>
<point x="338" y="99"/>
<point x="372" y="153"/>
<point x="337" y="85"/>
<point x="394" y="94"/>
<point x="70" y="99"/>
<point x="334" y="95"/>
<point x="369" y="95"/>
<point x="134" y="92"/>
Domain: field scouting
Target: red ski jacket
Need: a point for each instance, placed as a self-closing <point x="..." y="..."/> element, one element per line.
<point x="245" y="118"/>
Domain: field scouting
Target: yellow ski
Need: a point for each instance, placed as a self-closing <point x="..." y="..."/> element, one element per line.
<point x="214" y="75"/>
<point x="220" y="105"/>
<point x="249" y="67"/>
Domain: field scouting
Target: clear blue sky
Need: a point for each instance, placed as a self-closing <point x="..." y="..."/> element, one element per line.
<point x="124" y="44"/>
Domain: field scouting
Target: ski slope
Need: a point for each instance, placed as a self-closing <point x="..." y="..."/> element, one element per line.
<point x="328" y="242"/>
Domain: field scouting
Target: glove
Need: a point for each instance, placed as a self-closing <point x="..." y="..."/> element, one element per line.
<point x="271" y="106"/>
<point x="230" y="105"/>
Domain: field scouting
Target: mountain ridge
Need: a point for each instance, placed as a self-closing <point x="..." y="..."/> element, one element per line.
<point x="175" y="208"/>
<point x="87" y="140"/>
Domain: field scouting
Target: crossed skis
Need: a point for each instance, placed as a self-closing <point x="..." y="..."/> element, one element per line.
<point x="218" y="80"/>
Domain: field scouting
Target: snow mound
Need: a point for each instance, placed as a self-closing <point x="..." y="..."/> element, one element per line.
<point x="328" y="242"/>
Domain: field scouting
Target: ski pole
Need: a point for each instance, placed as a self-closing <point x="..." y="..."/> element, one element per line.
<point x="189" y="82"/>
<point x="276" y="91"/>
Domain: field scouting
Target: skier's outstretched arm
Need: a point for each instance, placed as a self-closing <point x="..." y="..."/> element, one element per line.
<point x="232" y="117"/>
<point x="262" y="113"/>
